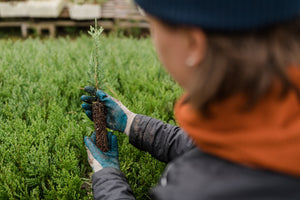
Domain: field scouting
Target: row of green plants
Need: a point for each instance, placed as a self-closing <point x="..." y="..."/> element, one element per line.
<point x="42" y="126"/>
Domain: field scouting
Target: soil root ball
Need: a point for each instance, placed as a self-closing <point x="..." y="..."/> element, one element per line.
<point x="99" y="117"/>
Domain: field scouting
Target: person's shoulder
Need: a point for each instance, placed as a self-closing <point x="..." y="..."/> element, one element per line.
<point x="197" y="175"/>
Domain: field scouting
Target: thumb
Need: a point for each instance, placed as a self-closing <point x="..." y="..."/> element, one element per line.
<point x="102" y="95"/>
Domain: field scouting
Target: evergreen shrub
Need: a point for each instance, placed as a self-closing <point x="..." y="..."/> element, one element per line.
<point x="42" y="125"/>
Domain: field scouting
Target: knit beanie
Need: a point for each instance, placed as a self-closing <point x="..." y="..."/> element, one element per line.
<point x="223" y="15"/>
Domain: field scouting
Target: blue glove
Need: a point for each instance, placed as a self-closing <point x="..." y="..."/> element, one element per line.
<point x="118" y="117"/>
<point x="98" y="159"/>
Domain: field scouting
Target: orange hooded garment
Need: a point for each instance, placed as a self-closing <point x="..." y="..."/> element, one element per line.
<point x="267" y="137"/>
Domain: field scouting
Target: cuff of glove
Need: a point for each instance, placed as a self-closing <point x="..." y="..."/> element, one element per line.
<point x="129" y="123"/>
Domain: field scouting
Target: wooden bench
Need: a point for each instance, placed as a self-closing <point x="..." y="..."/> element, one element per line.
<point x="115" y="14"/>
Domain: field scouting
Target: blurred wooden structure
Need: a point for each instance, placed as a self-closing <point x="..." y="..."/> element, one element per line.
<point x="115" y="14"/>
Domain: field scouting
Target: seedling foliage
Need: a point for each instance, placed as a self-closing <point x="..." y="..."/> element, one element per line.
<point x="96" y="72"/>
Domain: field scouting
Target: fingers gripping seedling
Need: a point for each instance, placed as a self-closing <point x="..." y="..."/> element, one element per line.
<point x="98" y="108"/>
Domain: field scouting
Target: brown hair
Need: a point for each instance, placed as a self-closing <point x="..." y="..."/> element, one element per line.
<point x="247" y="63"/>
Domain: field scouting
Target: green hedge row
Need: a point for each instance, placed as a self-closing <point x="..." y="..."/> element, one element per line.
<point x="42" y="153"/>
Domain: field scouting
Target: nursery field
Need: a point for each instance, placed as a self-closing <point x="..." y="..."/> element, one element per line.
<point x="42" y="125"/>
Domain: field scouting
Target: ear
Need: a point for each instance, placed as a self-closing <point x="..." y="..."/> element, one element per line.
<point x="197" y="44"/>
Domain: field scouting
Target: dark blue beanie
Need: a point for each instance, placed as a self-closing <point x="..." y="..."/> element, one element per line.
<point x="223" y="15"/>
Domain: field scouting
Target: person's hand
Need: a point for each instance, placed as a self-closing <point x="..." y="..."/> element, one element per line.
<point x="98" y="159"/>
<point x="118" y="117"/>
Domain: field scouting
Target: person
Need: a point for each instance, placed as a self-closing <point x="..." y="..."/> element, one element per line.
<point x="239" y="117"/>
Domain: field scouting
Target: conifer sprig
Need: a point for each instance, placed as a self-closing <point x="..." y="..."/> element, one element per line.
<point x="95" y="68"/>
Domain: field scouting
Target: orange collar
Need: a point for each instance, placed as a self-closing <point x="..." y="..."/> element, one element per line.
<point x="267" y="137"/>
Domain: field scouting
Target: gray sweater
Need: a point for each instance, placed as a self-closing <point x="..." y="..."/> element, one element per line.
<point x="192" y="174"/>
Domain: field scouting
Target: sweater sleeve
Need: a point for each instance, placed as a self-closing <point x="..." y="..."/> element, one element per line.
<point x="163" y="141"/>
<point x="111" y="184"/>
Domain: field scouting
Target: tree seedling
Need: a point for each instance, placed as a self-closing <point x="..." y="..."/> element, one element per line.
<point x="96" y="71"/>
